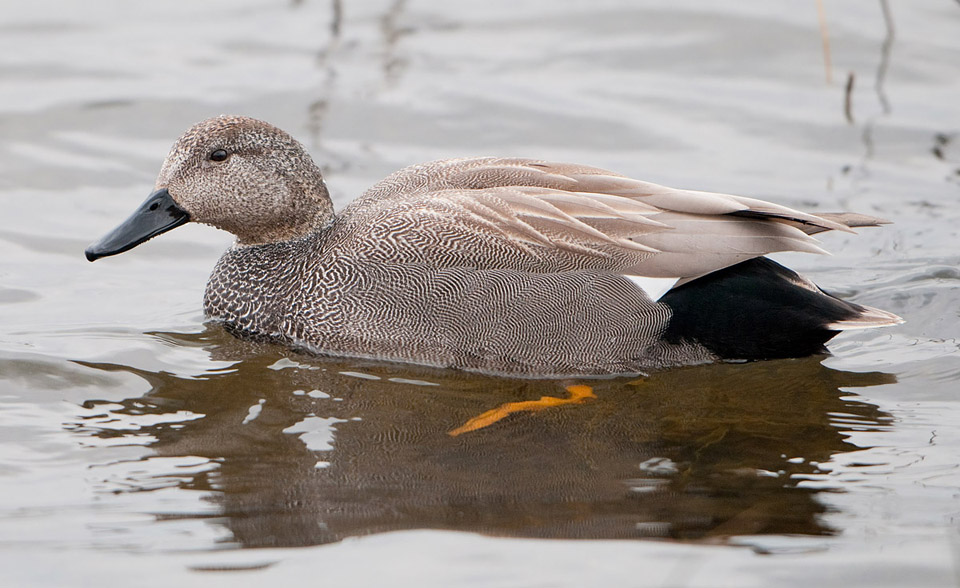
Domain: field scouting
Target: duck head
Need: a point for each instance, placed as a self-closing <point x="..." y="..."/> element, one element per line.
<point x="235" y="173"/>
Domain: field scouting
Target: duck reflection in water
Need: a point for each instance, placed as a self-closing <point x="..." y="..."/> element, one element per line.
<point x="346" y="448"/>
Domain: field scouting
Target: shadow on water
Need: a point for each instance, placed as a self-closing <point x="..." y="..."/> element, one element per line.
<point x="344" y="448"/>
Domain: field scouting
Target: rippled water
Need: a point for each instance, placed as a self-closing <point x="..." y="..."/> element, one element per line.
<point x="139" y="446"/>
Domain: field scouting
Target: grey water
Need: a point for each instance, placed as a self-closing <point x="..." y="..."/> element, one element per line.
<point x="140" y="446"/>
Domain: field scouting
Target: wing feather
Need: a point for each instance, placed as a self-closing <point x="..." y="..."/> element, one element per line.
<point x="559" y="216"/>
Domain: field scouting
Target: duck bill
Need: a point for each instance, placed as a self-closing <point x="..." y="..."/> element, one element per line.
<point x="158" y="214"/>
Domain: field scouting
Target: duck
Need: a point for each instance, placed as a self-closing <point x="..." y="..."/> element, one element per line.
<point x="506" y="266"/>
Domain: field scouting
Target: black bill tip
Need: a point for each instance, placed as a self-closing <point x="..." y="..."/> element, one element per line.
<point x="158" y="214"/>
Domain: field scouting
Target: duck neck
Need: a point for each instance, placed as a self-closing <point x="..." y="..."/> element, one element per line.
<point x="311" y="191"/>
<point x="250" y="287"/>
<point x="308" y="209"/>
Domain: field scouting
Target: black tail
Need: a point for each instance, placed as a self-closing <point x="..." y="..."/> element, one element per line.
<point x="756" y="309"/>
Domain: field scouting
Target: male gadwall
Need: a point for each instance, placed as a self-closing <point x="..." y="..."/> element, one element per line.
<point x="517" y="267"/>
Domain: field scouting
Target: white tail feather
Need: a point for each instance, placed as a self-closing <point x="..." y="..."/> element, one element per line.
<point x="655" y="288"/>
<point x="869" y="318"/>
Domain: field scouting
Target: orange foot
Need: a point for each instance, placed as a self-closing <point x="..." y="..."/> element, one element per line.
<point x="578" y="393"/>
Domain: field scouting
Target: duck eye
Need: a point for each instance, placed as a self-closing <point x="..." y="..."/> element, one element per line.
<point x="218" y="155"/>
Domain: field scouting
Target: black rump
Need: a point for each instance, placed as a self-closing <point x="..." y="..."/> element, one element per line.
<point x="754" y="310"/>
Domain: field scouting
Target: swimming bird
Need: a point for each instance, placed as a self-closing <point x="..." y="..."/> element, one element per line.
<point x="516" y="267"/>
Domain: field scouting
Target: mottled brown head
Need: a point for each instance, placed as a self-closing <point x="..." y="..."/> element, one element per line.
<point x="247" y="177"/>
